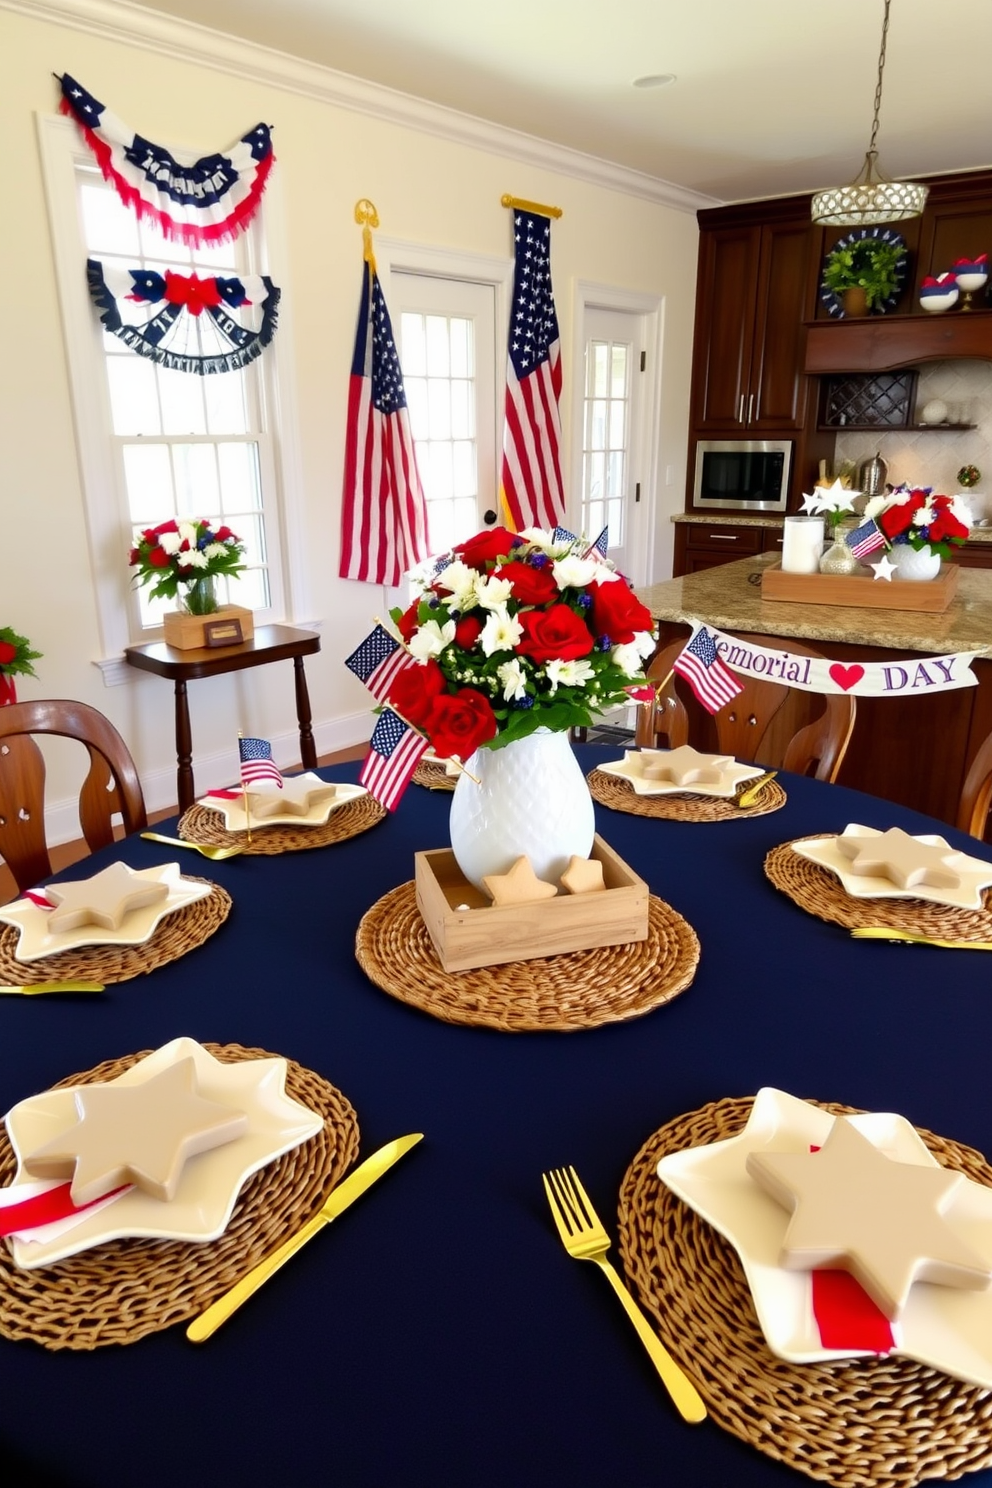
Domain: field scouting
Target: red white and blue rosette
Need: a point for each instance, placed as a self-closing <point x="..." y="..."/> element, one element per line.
<point x="210" y="200"/>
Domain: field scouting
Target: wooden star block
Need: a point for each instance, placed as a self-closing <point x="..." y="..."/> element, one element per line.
<point x="142" y="1134"/>
<point x="856" y="1209"/>
<point x="105" y="899"/>
<point x="519" y="886"/>
<point x="902" y="859"/>
<point x="583" y="876"/>
<point x="684" y="766"/>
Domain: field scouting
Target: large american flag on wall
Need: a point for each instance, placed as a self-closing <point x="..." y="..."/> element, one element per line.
<point x="383" y="513"/>
<point x="531" y="475"/>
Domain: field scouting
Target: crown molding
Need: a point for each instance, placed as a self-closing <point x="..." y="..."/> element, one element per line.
<point x="188" y="41"/>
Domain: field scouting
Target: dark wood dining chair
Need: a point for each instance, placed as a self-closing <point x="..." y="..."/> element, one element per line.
<point x="976" y="793"/>
<point x="111" y="787"/>
<point x="769" y="722"/>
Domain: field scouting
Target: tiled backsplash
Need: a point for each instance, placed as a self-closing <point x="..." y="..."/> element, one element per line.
<point x="933" y="457"/>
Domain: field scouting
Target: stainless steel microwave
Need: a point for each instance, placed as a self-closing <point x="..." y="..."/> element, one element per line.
<point x="742" y="474"/>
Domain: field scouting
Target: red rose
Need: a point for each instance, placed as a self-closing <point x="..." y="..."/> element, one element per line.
<point x="531" y="586"/>
<point x="170" y="526"/>
<point x="223" y="533"/>
<point x="413" y="691"/>
<point x="467" y="632"/>
<point x="895" y="520"/>
<point x="158" y="558"/>
<point x="486" y="547"/>
<point x="459" y="722"/>
<point x="618" y="613"/>
<point x="133" y="557"/>
<point x="945" y="527"/>
<point x="7" y="652"/>
<point x="555" y="634"/>
<point x="409" y="621"/>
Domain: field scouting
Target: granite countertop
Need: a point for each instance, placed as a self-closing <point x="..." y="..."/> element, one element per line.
<point x="978" y="535"/>
<point x="725" y="597"/>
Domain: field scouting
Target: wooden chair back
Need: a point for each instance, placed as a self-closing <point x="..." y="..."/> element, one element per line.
<point x="976" y="793"/>
<point x="111" y="786"/>
<point x="769" y="722"/>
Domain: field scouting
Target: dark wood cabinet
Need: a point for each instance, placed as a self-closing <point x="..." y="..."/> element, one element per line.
<point x="700" y="545"/>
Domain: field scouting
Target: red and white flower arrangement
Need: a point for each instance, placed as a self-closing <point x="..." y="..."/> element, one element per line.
<point x="915" y="515"/>
<point x="16" y="657"/>
<point x="514" y="633"/>
<point x="184" y="553"/>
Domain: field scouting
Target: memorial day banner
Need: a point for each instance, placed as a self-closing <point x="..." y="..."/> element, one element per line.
<point x="912" y="676"/>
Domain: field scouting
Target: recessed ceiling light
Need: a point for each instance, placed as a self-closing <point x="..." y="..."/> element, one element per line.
<point x="655" y="80"/>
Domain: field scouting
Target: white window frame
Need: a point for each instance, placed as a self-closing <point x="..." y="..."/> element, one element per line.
<point x="642" y="515"/>
<point x="62" y="151"/>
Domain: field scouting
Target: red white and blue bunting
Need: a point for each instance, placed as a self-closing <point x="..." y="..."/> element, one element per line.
<point x="189" y="327"/>
<point x="209" y="201"/>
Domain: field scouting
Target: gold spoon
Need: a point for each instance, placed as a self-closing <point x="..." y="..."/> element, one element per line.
<point x="749" y="795"/>
<point x="208" y="850"/>
<point x="882" y="932"/>
<point x="38" y="987"/>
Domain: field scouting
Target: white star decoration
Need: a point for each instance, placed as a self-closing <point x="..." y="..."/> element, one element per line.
<point x="884" y="569"/>
<point x="894" y="860"/>
<point x="658" y="772"/>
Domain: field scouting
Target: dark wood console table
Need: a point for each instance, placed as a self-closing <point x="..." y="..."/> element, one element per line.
<point x="270" y="643"/>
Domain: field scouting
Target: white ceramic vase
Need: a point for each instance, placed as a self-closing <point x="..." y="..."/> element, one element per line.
<point x="915" y="563"/>
<point x="533" y="801"/>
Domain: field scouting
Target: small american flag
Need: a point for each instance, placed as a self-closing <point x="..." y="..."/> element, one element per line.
<point x="531" y="481"/>
<point x="383" y="512"/>
<point x="257" y="762"/>
<point x="865" y="539"/>
<point x="710" y="678"/>
<point x="393" y="753"/>
<point x="378" y="661"/>
<point x="600" y="547"/>
<point x="562" y="535"/>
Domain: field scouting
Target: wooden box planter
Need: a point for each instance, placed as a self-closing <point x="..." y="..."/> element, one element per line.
<point x="190" y="632"/>
<point x="862" y="590"/>
<point x="468" y="930"/>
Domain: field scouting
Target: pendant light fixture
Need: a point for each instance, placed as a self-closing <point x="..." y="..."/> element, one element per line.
<point x="871" y="198"/>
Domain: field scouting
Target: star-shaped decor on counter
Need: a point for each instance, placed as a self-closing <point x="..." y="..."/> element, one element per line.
<point x="583" y="876"/>
<point x="300" y="794"/>
<point x="855" y="1209"/>
<point x="904" y="859"/>
<point x="884" y="568"/>
<point x="654" y="772"/>
<point x="141" y="1134"/>
<point x="105" y="899"/>
<point x="519" y="885"/>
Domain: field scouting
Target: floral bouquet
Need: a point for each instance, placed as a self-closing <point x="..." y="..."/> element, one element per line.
<point x="918" y="517"/>
<point x="16" y="657"/>
<point x="515" y="633"/>
<point x="188" y="553"/>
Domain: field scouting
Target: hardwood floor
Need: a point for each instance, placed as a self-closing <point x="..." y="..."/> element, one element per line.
<point x="64" y="854"/>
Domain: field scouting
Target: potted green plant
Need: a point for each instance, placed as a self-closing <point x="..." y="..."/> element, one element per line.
<point x="869" y="267"/>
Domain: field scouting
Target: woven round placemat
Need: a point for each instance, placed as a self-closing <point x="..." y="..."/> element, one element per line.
<point x="578" y="989"/>
<point x="118" y="1292"/>
<point x="854" y="1423"/>
<point x="820" y="892"/>
<point x="176" y="934"/>
<point x="619" y="795"/>
<point x="204" y="825"/>
<point x="434" y="775"/>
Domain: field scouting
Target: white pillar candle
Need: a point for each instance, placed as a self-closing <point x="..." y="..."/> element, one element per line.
<point x="802" y="544"/>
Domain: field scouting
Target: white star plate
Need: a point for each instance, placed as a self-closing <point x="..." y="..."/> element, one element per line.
<point x="976" y="873"/>
<point x="319" y="814"/>
<point x="942" y="1327"/>
<point x="734" y="777"/>
<point x="37" y="940"/>
<point x="210" y="1182"/>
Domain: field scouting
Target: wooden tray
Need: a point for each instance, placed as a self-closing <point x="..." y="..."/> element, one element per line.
<point x="862" y="590"/>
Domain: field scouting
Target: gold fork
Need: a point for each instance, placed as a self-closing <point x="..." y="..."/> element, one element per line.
<point x="585" y="1239"/>
<point x="752" y="790"/>
<point x="883" y="932"/>
<point x="208" y="849"/>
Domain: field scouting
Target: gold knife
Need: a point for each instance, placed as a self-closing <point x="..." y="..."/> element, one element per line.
<point x="346" y="1193"/>
<point x="882" y="932"/>
<point x="753" y="789"/>
<point x="38" y="987"/>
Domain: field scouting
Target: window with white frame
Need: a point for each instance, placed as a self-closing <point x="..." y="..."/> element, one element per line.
<point x="606" y="437"/>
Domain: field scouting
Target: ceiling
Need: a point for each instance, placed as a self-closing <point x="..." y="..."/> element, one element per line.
<point x="772" y="96"/>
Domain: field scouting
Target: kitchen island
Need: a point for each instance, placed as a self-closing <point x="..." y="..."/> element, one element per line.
<point x="914" y="749"/>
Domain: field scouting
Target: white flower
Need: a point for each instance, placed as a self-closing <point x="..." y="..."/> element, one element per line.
<point x="188" y="533"/>
<point x="568" y="673"/>
<point x="459" y="580"/>
<point x="170" y="542"/>
<point x="542" y="540"/>
<point x="924" y="516"/>
<point x="877" y="504"/>
<point x="215" y="550"/>
<point x="492" y="592"/>
<point x="513" y="678"/>
<point x="605" y="573"/>
<point x="574" y="573"/>
<point x="628" y="656"/>
<point x="501" y="631"/>
<point x="192" y="559"/>
<point x="961" y="509"/>
<point x="431" y="638"/>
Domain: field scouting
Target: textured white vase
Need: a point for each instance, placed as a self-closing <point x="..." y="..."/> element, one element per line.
<point x="915" y="563"/>
<point x="533" y="801"/>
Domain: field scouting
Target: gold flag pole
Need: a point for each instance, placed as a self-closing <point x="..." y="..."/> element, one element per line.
<point x="367" y="217"/>
<point x="453" y="757"/>
<point x="244" y="787"/>
<point x="529" y="206"/>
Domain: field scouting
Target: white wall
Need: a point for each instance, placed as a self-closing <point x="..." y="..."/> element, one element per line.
<point x="428" y="189"/>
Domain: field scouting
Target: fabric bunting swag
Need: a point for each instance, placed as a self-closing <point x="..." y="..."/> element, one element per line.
<point x="174" y="334"/>
<point x="210" y="201"/>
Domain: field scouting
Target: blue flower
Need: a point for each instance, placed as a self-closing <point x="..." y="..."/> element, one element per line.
<point x="524" y="702"/>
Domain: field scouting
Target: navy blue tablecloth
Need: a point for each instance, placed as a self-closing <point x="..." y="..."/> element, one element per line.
<point x="437" y="1336"/>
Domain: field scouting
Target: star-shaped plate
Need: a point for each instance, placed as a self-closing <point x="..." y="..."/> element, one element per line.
<point x="37" y="939"/>
<point x="210" y="1182"/>
<point x="975" y="874"/>
<point x="682" y="771"/>
<point x="942" y="1327"/>
<point x="307" y="791"/>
